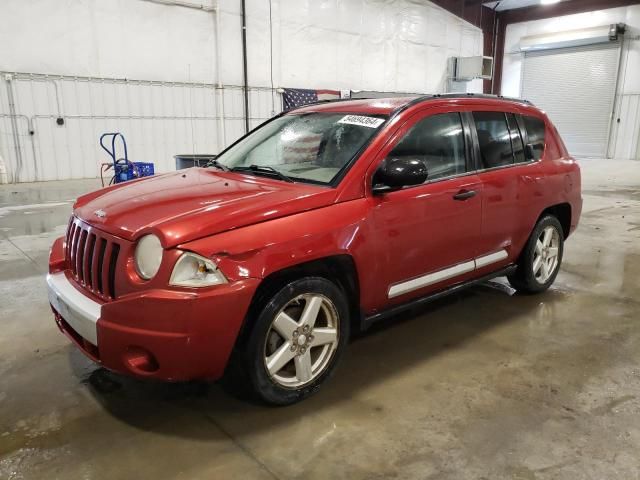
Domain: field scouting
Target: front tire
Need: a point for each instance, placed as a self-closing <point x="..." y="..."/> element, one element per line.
<point x="540" y="260"/>
<point x="296" y="341"/>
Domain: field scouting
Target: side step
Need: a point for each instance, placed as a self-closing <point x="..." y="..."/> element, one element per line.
<point x="366" y="322"/>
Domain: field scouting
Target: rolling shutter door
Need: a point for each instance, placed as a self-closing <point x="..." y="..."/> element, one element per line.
<point x="576" y="87"/>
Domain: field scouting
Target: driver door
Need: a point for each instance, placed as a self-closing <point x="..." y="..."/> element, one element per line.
<point x="427" y="235"/>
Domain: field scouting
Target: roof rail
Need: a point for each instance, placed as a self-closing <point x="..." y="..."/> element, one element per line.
<point x="482" y="96"/>
<point x="436" y="96"/>
<point x="424" y="98"/>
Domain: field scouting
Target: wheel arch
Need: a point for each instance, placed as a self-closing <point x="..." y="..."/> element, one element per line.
<point x="562" y="211"/>
<point x="340" y="269"/>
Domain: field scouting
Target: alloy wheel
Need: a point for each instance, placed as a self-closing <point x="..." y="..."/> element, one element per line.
<point x="302" y="340"/>
<point x="545" y="257"/>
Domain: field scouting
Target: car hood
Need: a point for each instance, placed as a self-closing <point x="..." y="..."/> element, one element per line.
<point x="195" y="203"/>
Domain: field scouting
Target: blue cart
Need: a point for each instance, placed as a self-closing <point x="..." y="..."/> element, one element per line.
<point x="123" y="169"/>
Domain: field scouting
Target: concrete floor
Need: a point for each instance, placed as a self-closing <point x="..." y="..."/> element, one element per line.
<point x="483" y="385"/>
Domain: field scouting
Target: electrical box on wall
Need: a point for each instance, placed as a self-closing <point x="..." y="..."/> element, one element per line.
<point x="470" y="68"/>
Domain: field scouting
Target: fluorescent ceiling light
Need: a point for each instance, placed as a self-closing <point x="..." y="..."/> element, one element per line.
<point x="548" y="2"/>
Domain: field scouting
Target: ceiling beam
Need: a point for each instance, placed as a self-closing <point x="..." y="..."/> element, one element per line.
<point x="469" y="10"/>
<point x="569" y="7"/>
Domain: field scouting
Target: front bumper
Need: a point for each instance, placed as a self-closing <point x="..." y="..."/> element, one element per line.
<point x="165" y="334"/>
<point x="80" y="312"/>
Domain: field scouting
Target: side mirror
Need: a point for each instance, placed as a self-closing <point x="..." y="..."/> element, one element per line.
<point x="529" y="151"/>
<point x="395" y="173"/>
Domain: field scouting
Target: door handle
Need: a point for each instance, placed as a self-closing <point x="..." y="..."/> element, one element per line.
<point x="464" y="195"/>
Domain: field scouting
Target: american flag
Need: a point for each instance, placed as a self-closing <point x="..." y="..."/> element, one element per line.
<point x="303" y="149"/>
<point x="297" y="97"/>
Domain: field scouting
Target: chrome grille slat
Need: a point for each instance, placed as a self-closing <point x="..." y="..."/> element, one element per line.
<point x="80" y="255"/>
<point x="70" y="229"/>
<point x="88" y="259"/>
<point x="100" y="263"/>
<point x="74" y="246"/>
<point x="113" y="260"/>
<point x="105" y="269"/>
<point x="94" y="262"/>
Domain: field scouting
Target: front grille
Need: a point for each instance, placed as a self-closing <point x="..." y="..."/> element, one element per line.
<point x="92" y="258"/>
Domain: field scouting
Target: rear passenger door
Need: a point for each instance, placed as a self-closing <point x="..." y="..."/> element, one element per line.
<point x="510" y="183"/>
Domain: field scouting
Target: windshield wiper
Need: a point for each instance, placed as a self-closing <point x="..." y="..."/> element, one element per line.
<point x="263" y="169"/>
<point x="215" y="163"/>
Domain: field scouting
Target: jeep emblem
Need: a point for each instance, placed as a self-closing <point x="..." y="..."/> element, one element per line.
<point x="100" y="213"/>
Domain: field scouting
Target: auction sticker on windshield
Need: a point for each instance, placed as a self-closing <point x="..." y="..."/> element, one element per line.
<point x="363" y="121"/>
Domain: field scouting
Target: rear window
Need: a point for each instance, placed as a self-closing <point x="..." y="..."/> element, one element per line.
<point x="535" y="133"/>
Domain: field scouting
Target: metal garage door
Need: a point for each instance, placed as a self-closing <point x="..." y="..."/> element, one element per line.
<point x="576" y="87"/>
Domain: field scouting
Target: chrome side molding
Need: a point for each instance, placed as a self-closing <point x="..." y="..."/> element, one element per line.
<point x="491" y="258"/>
<point x="445" y="274"/>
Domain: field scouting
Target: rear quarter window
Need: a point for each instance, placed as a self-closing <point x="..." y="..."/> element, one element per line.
<point x="535" y="133"/>
<point x="494" y="139"/>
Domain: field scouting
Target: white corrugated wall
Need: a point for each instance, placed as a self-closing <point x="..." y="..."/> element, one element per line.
<point x="158" y="119"/>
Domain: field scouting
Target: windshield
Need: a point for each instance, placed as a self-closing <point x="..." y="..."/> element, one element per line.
<point x="312" y="147"/>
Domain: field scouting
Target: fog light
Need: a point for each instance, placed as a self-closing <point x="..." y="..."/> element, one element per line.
<point x="140" y="360"/>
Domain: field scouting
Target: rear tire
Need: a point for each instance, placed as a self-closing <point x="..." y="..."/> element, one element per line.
<point x="540" y="260"/>
<point x="297" y="340"/>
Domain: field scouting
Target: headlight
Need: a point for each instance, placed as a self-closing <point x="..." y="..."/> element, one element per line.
<point x="192" y="270"/>
<point x="148" y="256"/>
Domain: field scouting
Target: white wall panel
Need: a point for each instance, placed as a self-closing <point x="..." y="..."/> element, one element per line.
<point x="376" y="44"/>
<point x="112" y="38"/>
<point x="158" y="120"/>
<point x="626" y="132"/>
<point x="87" y="47"/>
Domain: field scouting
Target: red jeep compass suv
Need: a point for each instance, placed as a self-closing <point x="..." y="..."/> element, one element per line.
<point x="325" y="217"/>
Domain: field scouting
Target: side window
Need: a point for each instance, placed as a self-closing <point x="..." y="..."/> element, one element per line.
<point x="535" y="133"/>
<point x="439" y="141"/>
<point x="494" y="139"/>
<point x="516" y="139"/>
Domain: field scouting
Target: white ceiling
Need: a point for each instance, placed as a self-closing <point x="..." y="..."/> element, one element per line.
<point x="512" y="4"/>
